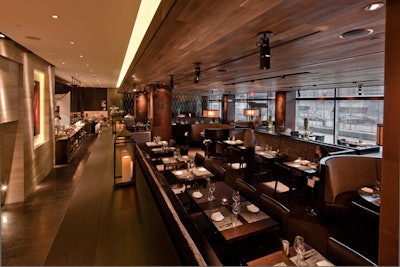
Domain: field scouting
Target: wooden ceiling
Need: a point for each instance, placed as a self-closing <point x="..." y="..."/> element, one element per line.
<point x="306" y="49"/>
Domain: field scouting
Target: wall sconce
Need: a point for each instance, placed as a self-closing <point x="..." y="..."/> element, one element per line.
<point x="251" y="112"/>
<point x="379" y="134"/>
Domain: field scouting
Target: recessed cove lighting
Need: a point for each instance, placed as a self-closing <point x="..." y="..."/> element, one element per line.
<point x="374" y="6"/>
<point x="356" y="33"/>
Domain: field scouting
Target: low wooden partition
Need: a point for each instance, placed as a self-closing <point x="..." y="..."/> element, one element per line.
<point x="191" y="245"/>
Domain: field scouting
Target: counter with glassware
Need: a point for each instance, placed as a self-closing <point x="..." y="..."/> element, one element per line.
<point x="68" y="140"/>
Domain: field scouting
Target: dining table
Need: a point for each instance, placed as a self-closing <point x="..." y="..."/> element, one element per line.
<point x="249" y="222"/>
<point x="159" y="152"/>
<point x="189" y="175"/>
<point x="311" y="258"/>
<point x="306" y="167"/>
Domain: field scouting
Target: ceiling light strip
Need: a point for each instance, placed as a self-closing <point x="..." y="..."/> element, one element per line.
<point x="145" y="15"/>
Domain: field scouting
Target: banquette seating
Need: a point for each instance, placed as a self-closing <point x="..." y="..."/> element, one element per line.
<point x="196" y="130"/>
<point x="342" y="255"/>
<point x="341" y="177"/>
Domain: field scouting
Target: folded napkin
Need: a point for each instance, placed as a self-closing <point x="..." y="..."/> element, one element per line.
<point x="252" y="208"/>
<point x="217" y="216"/>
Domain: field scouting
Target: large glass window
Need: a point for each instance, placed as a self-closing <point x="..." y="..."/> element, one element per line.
<point x="346" y="113"/>
<point x="264" y="102"/>
<point x="320" y="115"/>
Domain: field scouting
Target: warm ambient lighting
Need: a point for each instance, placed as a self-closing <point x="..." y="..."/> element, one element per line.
<point x="211" y="113"/>
<point x="251" y="112"/>
<point x="379" y="134"/>
<point x="4" y="188"/>
<point x="145" y="15"/>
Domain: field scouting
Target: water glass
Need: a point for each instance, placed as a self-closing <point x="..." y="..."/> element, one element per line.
<point x="298" y="246"/>
<point x="235" y="211"/>
<point x="211" y="190"/>
<point x="236" y="196"/>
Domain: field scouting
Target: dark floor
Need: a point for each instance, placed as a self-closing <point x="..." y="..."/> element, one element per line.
<point x="76" y="217"/>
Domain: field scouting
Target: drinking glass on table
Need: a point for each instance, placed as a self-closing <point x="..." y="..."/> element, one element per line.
<point x="298" y="246"/>
<point x="235" y="211"/>
<point x="377" y="189"/>
<point x="211" y="189"/>
<point x="236" y="196"/>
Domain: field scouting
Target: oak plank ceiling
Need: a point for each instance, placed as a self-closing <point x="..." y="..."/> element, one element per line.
<point x="306" y="48"/>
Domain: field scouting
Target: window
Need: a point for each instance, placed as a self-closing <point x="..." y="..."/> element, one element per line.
<point x="352" y="114"/>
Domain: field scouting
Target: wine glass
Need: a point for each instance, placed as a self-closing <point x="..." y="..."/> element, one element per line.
<point x="298" y="246"/>
<point x="235" y="211"/>
<point x="236" y="196"/>
<point x="211" y="189"/>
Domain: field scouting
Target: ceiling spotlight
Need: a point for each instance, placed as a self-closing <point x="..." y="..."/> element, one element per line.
<point x="374" y="6"/>
<point x="265" y="50"/>
<point x="197" y="73"/>
<point x="171" y="81"/>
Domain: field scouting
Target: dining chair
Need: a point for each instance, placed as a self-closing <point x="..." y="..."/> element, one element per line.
<point x="282" y="180"/>
<point x="276" y="211"/>
<point x="199" y="159"/>
<point x="340" y="254"/>
<point x="235" y="158"/>
<point x="216" y="169"/>
<point x="245" y="189"/>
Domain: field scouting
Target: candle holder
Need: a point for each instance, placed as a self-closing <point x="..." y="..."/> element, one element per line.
<point x="224" y="201"/>
<point x="123" y="158"/>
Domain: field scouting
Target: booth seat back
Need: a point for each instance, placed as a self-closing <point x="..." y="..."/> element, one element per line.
<point x="196" y="129"/>
<point x="348" y="173"/>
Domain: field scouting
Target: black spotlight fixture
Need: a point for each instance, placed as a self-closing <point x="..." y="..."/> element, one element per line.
<point x="265" y="50"/>
<point x="196" y="72"/>
<point x="360" y="91"/>
<point x="171" y="81"/>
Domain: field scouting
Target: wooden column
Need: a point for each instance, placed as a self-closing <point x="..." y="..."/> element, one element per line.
<point x="280" y="111"/>
<point x="228" y="108"/>
<point x="141" y="107"/>
<point x="162" y="113"/>
<point x="389" y="212"/>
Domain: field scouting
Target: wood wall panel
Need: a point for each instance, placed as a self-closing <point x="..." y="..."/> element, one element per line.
<point x="389" y="213"/>
<point x="161" y="125"/>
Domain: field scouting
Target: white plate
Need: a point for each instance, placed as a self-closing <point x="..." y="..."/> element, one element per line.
<point x="178" y="172"/>
<point x="197" y="194"/>
<point x="185" y="157"/>
<point x="252" y="208"/>
<point x="367" y="190"/>
<point x="217" y="216"/>
<point x="202" y="169"/>
<point x="166" y="159"/>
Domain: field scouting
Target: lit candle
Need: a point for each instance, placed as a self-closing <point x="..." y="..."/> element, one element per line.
<point x="224" y="201"/>
<point x="126" y="168"/>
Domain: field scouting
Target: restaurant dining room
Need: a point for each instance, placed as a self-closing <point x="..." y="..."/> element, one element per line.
<point x="199" y="132"/>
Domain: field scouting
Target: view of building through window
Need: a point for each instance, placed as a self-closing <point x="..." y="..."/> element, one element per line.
<point x="352" y="115"/>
